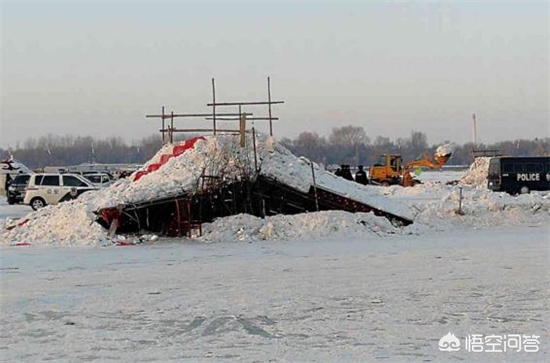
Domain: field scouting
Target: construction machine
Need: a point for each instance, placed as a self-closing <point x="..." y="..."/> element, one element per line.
<point x="390" y="170"/>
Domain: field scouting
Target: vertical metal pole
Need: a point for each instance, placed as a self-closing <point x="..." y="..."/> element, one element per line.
<point x="475" y="128"/>
<point x="162" y="125"/>
<point x="172" y="127"/>
<point x="240" y="123"/>
<point x="254" y="144"/>
<point x="178" y="218"/>
<point x="242" y="128"/>
<point x="213" y="106"/>
<point x="460" y="201"/>
<point x="189" y="220"/>
<point x="269" y="106"/>
<point x="314" y="186"/>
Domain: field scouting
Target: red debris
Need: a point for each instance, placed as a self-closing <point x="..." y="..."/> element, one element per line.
<point x="23" y="222"/>
<point x="108" y="214"/>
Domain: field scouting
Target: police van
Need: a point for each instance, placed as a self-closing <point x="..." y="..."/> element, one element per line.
<point x="50" y="188"/>
<point x="519" y="175"/>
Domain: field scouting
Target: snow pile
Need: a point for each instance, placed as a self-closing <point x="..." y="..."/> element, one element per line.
<point x="282" y="165"/>
<point x="213" y="156"/>
<point x="73" y="223"/>
<point x="480" y="207"/>
<point x="477" y="174"/>
<point x="436" y="207"/>
<point x="67" y="224"/>
<point x="426" y="191"/>
<point x="248" y="228"/>
<point x="432" y="206"/>
<point x="222" y="156"/>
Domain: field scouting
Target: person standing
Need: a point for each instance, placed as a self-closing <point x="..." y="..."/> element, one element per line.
<point x="7" y="183"/>
<point x="361" y="176"/>
<point x="346" y="173"/>
<point x="340" y="170"/>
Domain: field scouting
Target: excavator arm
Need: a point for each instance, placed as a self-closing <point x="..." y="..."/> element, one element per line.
<point x="425" y="161"/>
<point x="440" y="158"/>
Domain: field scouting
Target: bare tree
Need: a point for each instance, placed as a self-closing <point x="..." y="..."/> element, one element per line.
<point x="349" y="136"/>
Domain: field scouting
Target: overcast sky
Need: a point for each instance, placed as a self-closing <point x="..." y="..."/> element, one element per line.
<point x="98" y="68"/>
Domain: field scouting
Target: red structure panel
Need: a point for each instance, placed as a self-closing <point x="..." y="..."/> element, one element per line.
<point x="164" y="158"/>
<point x="139" y="174"/>
<point x="180" y="149"/>
<point x="153" y="167"/>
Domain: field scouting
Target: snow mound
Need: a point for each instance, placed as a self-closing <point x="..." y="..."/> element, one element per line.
<point x="480" y="207"/>
<point x="67" y="224"/>
<point x="477" y="174"/>
<point x="433" y="206"/>
<point x="317" y="225"/>
<point x="73" y="223"/>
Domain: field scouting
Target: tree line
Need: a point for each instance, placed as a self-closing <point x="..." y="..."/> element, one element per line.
<point x="351" y="145"/>
<point x="54" y="150"/>
<point x="344" y="145"/>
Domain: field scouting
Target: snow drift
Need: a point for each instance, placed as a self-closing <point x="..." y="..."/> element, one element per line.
<point x="477" y="174"/>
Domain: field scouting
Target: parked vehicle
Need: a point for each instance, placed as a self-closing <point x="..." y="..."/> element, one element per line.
<point x="44" y="189"/>
<point x="16" y="191"/>
<point x="100" y="180"/>
<point x="519" y="175"/>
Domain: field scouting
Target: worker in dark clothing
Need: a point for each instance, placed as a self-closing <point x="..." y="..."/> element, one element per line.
<point x="339" y="171"/>
<point x="9" y="180"/>
<point x="361" y="176"/>
<point x="346" y="173"/>
<point x="7" y="184"/>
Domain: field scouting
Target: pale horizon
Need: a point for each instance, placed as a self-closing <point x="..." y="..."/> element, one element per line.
<point x="96" y="69"/>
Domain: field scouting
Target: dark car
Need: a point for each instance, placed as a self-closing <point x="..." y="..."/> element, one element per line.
<point x="16" y="191"/>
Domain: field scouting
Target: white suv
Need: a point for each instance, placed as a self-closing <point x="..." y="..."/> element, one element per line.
<point x="44" y="189"/>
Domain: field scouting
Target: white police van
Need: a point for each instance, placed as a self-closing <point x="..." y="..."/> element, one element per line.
<point x="44" y="189"/>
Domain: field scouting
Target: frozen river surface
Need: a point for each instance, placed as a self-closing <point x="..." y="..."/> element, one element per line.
<point x="387" y="299"/>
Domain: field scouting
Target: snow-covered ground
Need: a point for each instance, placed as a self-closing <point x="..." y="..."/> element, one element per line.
<point x="327" y="286"/>
<point x="378" y="298"/>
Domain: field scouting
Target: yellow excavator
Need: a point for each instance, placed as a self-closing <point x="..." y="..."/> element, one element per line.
<point x="390" y="170"/>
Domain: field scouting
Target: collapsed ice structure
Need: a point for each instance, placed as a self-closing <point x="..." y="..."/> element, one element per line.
<point x="215" y="176"/>
<point x="206" y="178"/>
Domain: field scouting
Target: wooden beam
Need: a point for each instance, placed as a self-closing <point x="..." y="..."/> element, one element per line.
<point x="248" y="118"/>
<point x="192" y="115"/>
<point x="245" y="103"/>
<point x="197" y="130"/>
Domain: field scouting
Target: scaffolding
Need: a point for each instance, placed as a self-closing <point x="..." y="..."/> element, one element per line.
<point x="167" y="119"/>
